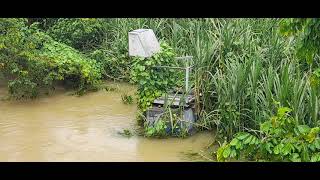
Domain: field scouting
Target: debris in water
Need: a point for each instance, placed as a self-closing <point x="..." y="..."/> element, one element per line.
<point x="126" y="133"/>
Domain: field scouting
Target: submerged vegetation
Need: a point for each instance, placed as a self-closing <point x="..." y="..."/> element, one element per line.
<point x="127" y="99"/>
<point x="126" y="133"/>
<point x="245" y="71"/>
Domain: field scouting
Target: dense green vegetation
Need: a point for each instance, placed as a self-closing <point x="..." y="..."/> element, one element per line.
<point x="33" y="60"/>
<point x="152" y="79"/>
<point x="82" y="34"/>
<point x="281" y="138"/>
<point x="242" y="67"/>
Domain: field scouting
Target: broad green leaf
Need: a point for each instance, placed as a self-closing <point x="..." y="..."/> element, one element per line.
<point x="278" y="148"/>
<point x="303" y="129"/>
<point x="315" y="157"/>
<point x="226" y="152"/>
<point x="234" y="142"/>
<point x="239" y="145"/>
<point x="317" y="143"/>
<point x="248" y="140"/>
<point x="243" y="136"/>
<point x="254" y="140"/>
<point x="286" y="149"/>
<point x="233" y="153"/>
<point x="295" y="157"/>
<point x="283" y="111"/>
<point x="264" y="127"/>
<point x="268" y="147"/>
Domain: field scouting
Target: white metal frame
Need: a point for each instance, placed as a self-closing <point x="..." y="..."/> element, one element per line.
<point x="188" y="68"/>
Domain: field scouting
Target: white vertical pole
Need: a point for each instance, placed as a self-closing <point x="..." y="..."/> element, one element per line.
<point x="187" y="79"/>
<point x="187" y="75"/>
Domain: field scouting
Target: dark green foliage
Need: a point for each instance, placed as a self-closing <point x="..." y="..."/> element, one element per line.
<point x="153" y="81"/>
<point x="168" y="124"/>
<point x="307" y="35"/>
<point x="242" y="67"/>
<point x="157" y="130"/>
<point x="115" y="66"/>
<point x="71" y="65"/>
<point x="281" y="138"/>
<point x="80" y="33"/>
<point x="33" y="60"/>
<point x="43" y="23"/>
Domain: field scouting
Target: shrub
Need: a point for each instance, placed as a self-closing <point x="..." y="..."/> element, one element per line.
<point x="33" y="60"/>
<point x="44" y="23"/>
<point x="80" y="33"/>
<point x="281" y="139"/>
<point x="153" y="81"/>
<point x="68" y="64"/>
<point x="157" y="130"/>
<point x="115" y="66"/>
<point x="306" y="33"/>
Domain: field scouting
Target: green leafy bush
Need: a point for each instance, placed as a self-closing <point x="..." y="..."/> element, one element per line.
<point x="32" y="60"/>
<point x="281" y="139"/>
<point x="70" y="65"/>
<point x="115" y="66"/>
<point x="44" y="23"/>
<point x="307" y="35"/>
<point x="17" y="43"/>
<point x="157" y="130"/>
<point x="80" y="33"/>
<point x="153" y="81"/>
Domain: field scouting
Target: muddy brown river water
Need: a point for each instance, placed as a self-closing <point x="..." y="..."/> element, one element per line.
<point x="62" y="127"/>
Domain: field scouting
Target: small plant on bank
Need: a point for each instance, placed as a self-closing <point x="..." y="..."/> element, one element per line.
<point x="281" y="139"/>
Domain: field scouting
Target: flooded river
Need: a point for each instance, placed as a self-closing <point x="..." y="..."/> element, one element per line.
<point x="62" y="127"/>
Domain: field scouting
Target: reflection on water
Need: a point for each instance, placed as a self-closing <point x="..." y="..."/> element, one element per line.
<point x="61" y="127"/>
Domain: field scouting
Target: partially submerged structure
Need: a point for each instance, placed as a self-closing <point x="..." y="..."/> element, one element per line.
<point x="143" y="43"/>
